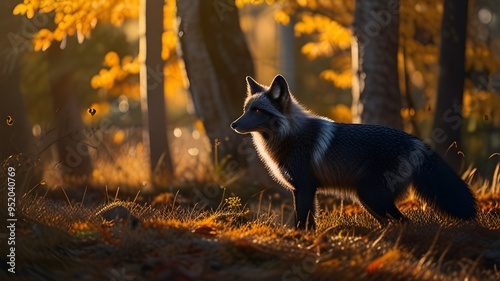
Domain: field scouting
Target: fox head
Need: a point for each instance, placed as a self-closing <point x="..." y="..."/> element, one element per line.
<point x="267" y="109"/>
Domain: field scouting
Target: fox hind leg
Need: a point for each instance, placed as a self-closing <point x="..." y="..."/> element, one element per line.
<point x="395" y="213"/>
<point x="379" y="204"/>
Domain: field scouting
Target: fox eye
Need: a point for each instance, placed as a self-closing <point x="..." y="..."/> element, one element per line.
<point x="257" y="110"/>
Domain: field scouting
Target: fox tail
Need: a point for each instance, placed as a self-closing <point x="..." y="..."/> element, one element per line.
<point x="438" y="185"/>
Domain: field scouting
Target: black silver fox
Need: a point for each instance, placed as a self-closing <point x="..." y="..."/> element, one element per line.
<point x="374" y="164"/>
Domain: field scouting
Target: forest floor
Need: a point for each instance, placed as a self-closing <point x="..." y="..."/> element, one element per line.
<point x="100" y="234"/>
<point x="165" y="239"/>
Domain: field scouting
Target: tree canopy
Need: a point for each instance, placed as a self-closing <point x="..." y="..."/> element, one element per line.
<point x="77" y="17"/>
<point x="329" y="25"/>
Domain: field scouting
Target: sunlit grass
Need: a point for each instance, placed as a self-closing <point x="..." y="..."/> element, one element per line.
<point x="170" y="239"/>
<point x="190" y="243"/>
<point x="120" y="159"/>
<point x="171" y="236"/>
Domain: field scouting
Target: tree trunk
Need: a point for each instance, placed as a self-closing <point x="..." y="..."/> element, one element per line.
<point x="376" y="95"/>
<point x="15" y="129"/>
<point x="16" y="133"/>
<point x="72" y="148"/>
<point x="448" y="115"/>
<point x="217" y="61"/>
<point x="16" y="136"/>
<point x="287" y="53"/>
<point x="153" y="91"/>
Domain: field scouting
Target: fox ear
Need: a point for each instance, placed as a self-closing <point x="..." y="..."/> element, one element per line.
<point x="279" y="89"/>
<point x="253" y="87"/>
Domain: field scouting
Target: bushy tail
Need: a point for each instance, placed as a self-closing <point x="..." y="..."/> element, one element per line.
<point x="438" y="185"/>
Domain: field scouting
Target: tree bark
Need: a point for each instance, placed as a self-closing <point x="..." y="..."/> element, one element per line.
<point x="153" y="91"/>
<point x="16" y="135"/>
<point x="217" y="61"/>
<point x="376" y="94"/>
<point x="448" y="114"/>
<point x="17" y="148"/>
<point x="72" y="146"/>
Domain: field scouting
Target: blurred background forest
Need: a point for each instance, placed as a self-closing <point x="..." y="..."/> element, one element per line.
<point x="140" y="94"/>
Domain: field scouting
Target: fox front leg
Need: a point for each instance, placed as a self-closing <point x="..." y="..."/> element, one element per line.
<point x="305" y="207"/>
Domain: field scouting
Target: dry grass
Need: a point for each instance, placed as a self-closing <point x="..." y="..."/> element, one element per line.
<point x="123" y="161"/>
<point x="108" y="233"/>
<point x="125" y="240"/>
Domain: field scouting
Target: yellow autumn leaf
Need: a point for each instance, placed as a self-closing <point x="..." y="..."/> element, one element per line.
<point x="305" y="25"/>
<point x="302" y="3"/>
<point x="68" y="9"/>
<point x="69" y="20"/>
<point x="111" y="59"/>
<point x="46" y="44"/>
<point x="126" y="60"/>
<point x="58" y="17"/>
<point x="315" y="49"/>
<point x="45" y="33"/>
<point x="169" y="39"/>
<point x="282" y="17"/>
<point x="131" y="65"/>
<point x="106" y="79"/>
<point x="341" y="80"/>
<point x="30" y="12"/>
<point x="37" y="45"/>
<point x="58" y="34"/>
<point x="41" y="44"/>
<point x="337" y="35"/>
<point x="20" y="9"/>
<point x="114" y="71"/>
<point x="341" y="113"/>
<point x="42" y="40"/>
<point x="47" y="8"/>
<point x="95" y="82"/>
<point x="117" y="18"/>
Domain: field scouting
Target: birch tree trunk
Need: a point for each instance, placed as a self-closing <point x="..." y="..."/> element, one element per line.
<point x="376" y="94"/>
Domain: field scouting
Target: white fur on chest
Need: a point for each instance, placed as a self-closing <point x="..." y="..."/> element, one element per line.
<point x="278" y="173"/>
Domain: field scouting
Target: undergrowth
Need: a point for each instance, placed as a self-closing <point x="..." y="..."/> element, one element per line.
<point x="168" y="236"/>
<point x="126" y="240"/>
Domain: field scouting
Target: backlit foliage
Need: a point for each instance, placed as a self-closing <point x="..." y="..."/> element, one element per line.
<point x="175" y="79"/>
<point x="119" y="76"/>
<point x="75" y="17"/>
<point x="117" y="70"/>
<point x="329" y="22"/>
<point x="113" y="73"/>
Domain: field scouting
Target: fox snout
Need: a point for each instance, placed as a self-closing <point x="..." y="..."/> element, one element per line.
<point x="237" y="127"/>
<point x="246" y="123"/>
<point x="234" y="125"/>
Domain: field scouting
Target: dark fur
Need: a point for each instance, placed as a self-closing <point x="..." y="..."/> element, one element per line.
<point x="374" y="164"/>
